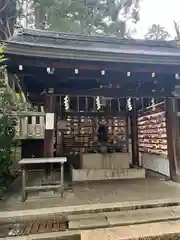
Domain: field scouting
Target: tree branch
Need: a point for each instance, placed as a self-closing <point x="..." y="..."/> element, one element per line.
<point x="5" y="5"/>
<point x="8" y="29"/>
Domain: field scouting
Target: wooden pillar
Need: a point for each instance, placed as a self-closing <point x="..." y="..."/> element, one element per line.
<point x="60" y="133"/>
<point x="134" y="134"/>
<point x="127" y="131"/>
<point x="178" y="134"/>
<point x="171" y="129"/>
<point x="49" y="134"/>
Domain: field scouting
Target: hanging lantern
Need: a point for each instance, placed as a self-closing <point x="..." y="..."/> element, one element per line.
<point x="129" y="105"/>
<point x="128" y="74"/>
<point x="177" y="76"/>
<point x="20" y="67"/>
<point x="66" y="103"/>
<point x="153" y="75"/>
<point x="76" y="71"/>
<point x="103" y="72"/>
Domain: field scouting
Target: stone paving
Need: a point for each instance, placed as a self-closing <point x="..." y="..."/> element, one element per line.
<point x="99" y="192"/>
<point x="163" y="230"/>
<point x="119" y="194"/>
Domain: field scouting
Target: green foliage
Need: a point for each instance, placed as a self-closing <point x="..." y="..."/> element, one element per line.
<point x="85" y="16"/>
<point x="7" y="132"/>
<point x="2" y="58"/>
<point x="157" y="32"/>
<point x="9" y="106"/>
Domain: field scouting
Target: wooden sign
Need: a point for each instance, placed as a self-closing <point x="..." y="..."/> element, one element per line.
<point x="49" y="121"/>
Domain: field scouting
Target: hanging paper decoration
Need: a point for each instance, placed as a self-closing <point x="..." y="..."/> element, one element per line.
<point x="129" y="105"/>
<point x="153" y="104"/>
<point x="98" y="104"/>
<point x="66" y="103"/>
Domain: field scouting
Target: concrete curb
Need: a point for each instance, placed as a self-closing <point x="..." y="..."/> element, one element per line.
<point x="109" y="225"/>
<point x="91" y="208"/>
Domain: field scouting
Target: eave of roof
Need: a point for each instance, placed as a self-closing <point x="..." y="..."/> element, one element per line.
<point x="78" y="47"/>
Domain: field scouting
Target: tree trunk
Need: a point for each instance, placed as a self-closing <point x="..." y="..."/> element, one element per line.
<point x="39" y="15"/>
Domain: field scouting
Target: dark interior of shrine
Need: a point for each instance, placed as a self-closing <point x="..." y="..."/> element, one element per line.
<point x="93" y="78"/>
<point x="36" y="81"/>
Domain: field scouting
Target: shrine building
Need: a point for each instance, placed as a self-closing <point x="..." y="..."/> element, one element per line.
<point x="109" y="105"/>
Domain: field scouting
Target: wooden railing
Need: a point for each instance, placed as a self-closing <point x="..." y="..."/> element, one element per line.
<point x="30" y="125"/>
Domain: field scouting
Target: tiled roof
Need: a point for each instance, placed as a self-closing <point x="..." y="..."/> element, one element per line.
<point x="50" y="36"/>
<point x="98" y="48"/>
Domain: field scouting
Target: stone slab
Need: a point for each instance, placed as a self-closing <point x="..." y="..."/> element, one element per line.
<point x="88" y="223"/>
<point x="80" y="175"/>
<point x="72" y="217"/>
<point x="140" y="216"/>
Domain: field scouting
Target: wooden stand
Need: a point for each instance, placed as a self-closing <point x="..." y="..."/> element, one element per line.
<point x="24" y="165"/>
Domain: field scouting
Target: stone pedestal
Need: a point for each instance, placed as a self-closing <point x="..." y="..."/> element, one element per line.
<point x="110" y="166"/>
<point x="106" y="161"/>
<point x="106" y="174"/>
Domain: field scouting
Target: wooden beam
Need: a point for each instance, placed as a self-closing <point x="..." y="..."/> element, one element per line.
<point x="171" y="128"/>
<point x="92" y="65"/>
<point x="117" y="93"/>
<point x="95" y="114"/>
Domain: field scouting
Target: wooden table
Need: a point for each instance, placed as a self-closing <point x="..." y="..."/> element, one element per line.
<point x="29" y="161"/>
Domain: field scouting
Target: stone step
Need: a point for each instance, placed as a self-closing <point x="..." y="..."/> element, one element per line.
<point x="92" y="222"/>
<point x="88" y="208"/>
<point x="123" y="218"/>
<point x="168" y="230"/>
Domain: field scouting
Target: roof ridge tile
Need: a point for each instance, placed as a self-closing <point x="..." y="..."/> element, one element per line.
<point x="93" y="39"/>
